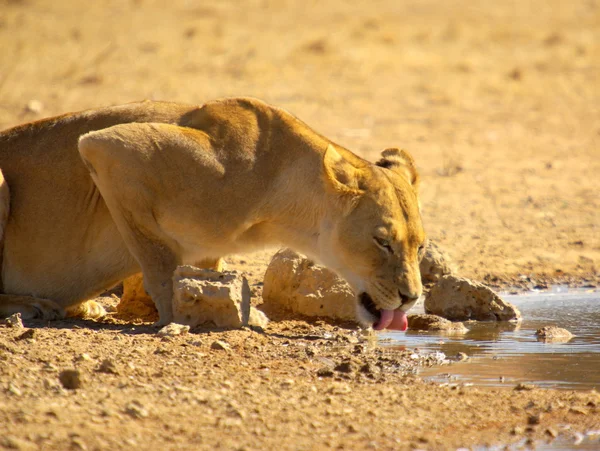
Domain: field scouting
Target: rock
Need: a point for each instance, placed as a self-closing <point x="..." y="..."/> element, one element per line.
<point x="532" y="420"/>
<point x="14" y="389"/>
<point x="460" y="299"/>
<point x="29" y="334"/>
<point x="70" y="379"/>
<point x="435" y="264"/>
<point x="220" y="345"/>
<point x="12" y="442"/>
<point x="14" y="320"/>
<point x="462" y="357"/>
<point x="173" y="329"/>
<point x="434" y="323"/>
<point x="553" y="334"/>
<point x="136" y="303"/>
<point x="257" y="318"/>
<point x="525" y="387"/>
<point x="136" y="410"/>
<point x="202" y="295"/>
<point x="107" y="366"/>
<point x="34" y="106"/>
<point x="298" y="285"/>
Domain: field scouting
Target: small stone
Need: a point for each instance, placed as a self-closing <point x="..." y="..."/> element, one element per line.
<point x="288" y="383"/>
<point x="136" y="410"/>
<point x="339" y="388"/>
<point x="107" y="366"/>
<point x="83" y="358"/>
<point x="78" y="443"/>
<point x="434" y="264"/>
<point x="534" y="419"/>
<point x="29" y="334"/>
<point x="525" y="387"/>
<point x="325" y="372"/>
<point x="517" y="430"/>
<point x="12" y="442"/>
<point x="220" y="345"/>
<point x="461" y="357"/>
<point x="311" y="351"/>
<point x="345" y="367"/>
<point x="367" y="368"/>
<point x="551" y="432"/>
<point x="173" y="329"/>
<point x="14" y="320"/>
<point x="14" y="389"/>
<point x="578" y="410"/>
<point x="70" y="379"/>
<point x="427" y="322"/>
<point x="34" y="106"/>
<point x="257" y="318"/>
<point x="553" y="334"/>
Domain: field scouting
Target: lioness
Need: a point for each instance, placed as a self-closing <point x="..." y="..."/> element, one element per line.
<point x="90" y="198"/>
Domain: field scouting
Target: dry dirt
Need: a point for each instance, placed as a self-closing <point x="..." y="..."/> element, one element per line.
<point x="498" y="101"/>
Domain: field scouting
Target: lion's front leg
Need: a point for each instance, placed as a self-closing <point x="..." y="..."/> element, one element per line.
<point x="155" y="252"/>
<point x="132" y="185"/>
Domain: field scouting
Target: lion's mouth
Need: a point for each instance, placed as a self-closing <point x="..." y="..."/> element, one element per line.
<point x="384" y="319"/>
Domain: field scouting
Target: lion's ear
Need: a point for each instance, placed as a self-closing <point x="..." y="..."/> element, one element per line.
<point x="340" y="176"/>
<point x="401" y="162"/>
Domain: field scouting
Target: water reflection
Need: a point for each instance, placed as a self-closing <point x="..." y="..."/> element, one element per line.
<point x="509" y="353"/>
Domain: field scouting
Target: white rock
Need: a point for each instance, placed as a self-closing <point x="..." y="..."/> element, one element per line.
<point x="297" y="284"/>
<point x="14" y="320"/>
<point x="435" y="264"/>
<point x="203" y="295"/>
<point x="173" y="329"/>
<point x="257" y="318"/>
<point x="459" y="299"/>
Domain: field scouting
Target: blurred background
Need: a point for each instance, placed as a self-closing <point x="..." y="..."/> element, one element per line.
<point x="499" y="101"/>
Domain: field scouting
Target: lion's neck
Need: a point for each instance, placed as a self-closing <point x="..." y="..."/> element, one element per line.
<point x="297" y="206"/>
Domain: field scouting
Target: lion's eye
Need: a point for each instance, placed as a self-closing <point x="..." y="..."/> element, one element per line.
<point x="384" y="244"/>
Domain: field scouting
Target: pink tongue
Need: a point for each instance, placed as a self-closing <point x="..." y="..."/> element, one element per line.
<point x="392" y="319"/>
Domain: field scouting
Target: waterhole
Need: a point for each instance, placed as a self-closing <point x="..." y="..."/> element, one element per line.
<point x="506" y="354"/>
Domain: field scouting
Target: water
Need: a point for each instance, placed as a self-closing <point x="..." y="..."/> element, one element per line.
<point x="505" y="354"/>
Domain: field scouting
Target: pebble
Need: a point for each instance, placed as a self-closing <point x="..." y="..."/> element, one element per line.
<point x="345" y="367"/>
<point x="534" y="419"/>
<point x="325" y="372"/>
<point x="107" y="366"/>
<point x="83" y="358"/>
<point x="220" y="345"/>
<point x="525" y="387"/>
<point x="173" y="329"/>
<point x="14" y="320"/>
<point x="12" y="442"/>
<point x="15" y="390"/>
<point x="553" y="334"/>
<point x="27" y="335"/>
<point x="70" y="379"/>
<point x="461" y="357"/>
<point x="34" y="106"/>
<point x="136" y="410"/>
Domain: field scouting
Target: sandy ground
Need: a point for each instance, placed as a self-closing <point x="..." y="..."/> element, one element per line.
<point x="498" y="101"/>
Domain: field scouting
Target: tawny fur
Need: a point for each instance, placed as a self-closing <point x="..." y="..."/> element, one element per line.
<point x="99" y="195"/>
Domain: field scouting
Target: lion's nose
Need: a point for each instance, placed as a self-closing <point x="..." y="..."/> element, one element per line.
<point x="409" y="297"/>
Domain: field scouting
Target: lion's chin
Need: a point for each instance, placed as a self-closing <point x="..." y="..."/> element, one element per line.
<point x="380" y="319"/>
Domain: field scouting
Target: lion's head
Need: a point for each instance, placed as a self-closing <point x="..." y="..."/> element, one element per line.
<point x="374" y="237"/>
